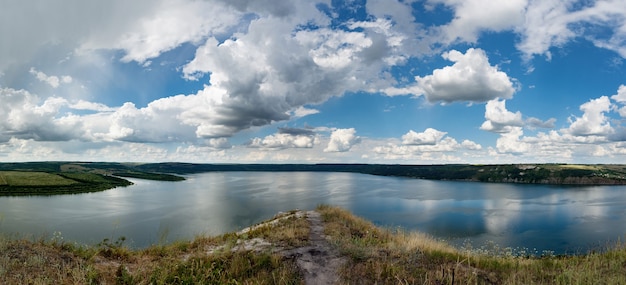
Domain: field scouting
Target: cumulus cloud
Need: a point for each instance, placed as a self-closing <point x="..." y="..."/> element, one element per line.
<point x="594" y="120"/>
<point x="470" y="145"/>
<point x="161" y="121"/>
<point x="302" y="112"/>
<point x="429" y="137"/>
<point x="59" y="31"/>
<point x="430" y="145"/>
<point x="540" y="24"/>
<point x="537" y="123"/>
<point x="471" y="78"/>
<point x="286" y="138"/>
<point x="554" y="23"/>
<point x="471" y="17"/>
<point x="219" y="143"/>
<point x="620" y="98"/>
<point x="25" y="116"/>
<point x="444" y="151"/>
<point x="510" y="142"/>
<point x="91" y="106"/>
<point x="53" y="81"/>
<point x="164" y="26"/>
<point x="499" y="119"/>
<point x="342" y="140"/>
<point x="254" y="85"/>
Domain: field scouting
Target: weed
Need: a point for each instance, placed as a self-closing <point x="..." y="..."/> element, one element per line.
<point x="114" y="250"/>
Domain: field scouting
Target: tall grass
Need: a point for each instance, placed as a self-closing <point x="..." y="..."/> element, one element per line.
<point x="384" y="257"/>
<point x="203" y="260"/>
<point x="375" y="256"/>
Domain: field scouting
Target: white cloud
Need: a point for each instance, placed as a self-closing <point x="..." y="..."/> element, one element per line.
<point x="166" y="25"/>
<point x="303" y="112"/>
<point x="554" y="23"/>
<point x="406" y="36"/>
<point x="429" y="146"/>
<point x="86" y="105"/>
<point x="593" y="120"/>
<point x="161" y="121"/>
<point x="510" y="142"/>
<point x="620" y="98"/>
<point x="430" y="136"/>
<point x="470" y="145"/>
<point x="537" y="123"/>
<point x="254" y="85"/>
<point x="471" y="78"/>
<point x="219" y="143"/>
<point x="444" y="151"/>
<point x="59" y="31"/>
<point x="24" y="115"/>
<point x="471" y="17"/>
<point x="499" y="119"/>
<point x="285" y="140"/>
<point x="342" y="140"/>
<point x="53" y="81"/>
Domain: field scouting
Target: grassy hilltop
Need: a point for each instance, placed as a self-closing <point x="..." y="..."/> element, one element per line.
<point x="52" y="178"/>
<point x="272" y="253"/>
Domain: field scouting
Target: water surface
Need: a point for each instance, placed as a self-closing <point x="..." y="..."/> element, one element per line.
<point x="537" y="217"/>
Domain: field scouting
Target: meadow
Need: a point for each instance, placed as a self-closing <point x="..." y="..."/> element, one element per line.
<point x="53" y="178"/>
<point x="15" y="183"/>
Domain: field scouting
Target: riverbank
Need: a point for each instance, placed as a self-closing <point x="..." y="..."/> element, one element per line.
<point x="57" y="178"/>
<point x="287" y="248"/>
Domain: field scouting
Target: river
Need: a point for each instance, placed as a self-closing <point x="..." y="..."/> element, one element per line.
<point x="532" y="217"/>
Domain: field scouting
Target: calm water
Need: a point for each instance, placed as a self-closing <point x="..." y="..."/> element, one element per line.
<point x="560" y="219"/>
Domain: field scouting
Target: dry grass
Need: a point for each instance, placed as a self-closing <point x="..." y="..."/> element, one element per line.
<point x="293" y="231"/>
<point x="53" y="261"/>
<point x="25" y="262"/>
<point x="376" y="256"/>
<point x="579" y="166"/>
<point x="384" y="257"/>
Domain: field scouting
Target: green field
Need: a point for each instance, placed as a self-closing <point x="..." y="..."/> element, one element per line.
<point x="53" y="178"/>
<point x="25" y="178"/>
<point x="19" y="183"/>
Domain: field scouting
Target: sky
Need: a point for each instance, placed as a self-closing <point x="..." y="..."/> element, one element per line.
<point x="299" y="81"/>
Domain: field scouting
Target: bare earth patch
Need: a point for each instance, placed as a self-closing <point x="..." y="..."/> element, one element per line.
<point x="319" y="261"/>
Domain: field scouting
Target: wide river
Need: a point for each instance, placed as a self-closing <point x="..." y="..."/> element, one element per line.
<point x="532" y="217"/>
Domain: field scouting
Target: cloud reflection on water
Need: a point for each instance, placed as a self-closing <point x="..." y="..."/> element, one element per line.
<point x="531" y="216"/>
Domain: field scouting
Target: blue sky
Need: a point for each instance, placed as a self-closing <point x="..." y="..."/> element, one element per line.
<point x="379" y="81"/>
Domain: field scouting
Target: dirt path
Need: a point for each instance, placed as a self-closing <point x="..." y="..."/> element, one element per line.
<point x="319" y="261"/>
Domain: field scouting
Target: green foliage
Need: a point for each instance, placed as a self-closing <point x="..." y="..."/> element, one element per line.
<point x="28" y="178"/>
<point x="114" y="250"/>
<point x="39" y="183"/>
<point x="231" y="268"/>
<point x="52" y="178"/>
<point x="123" y="277"/>
<point x="149" y="176"/>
